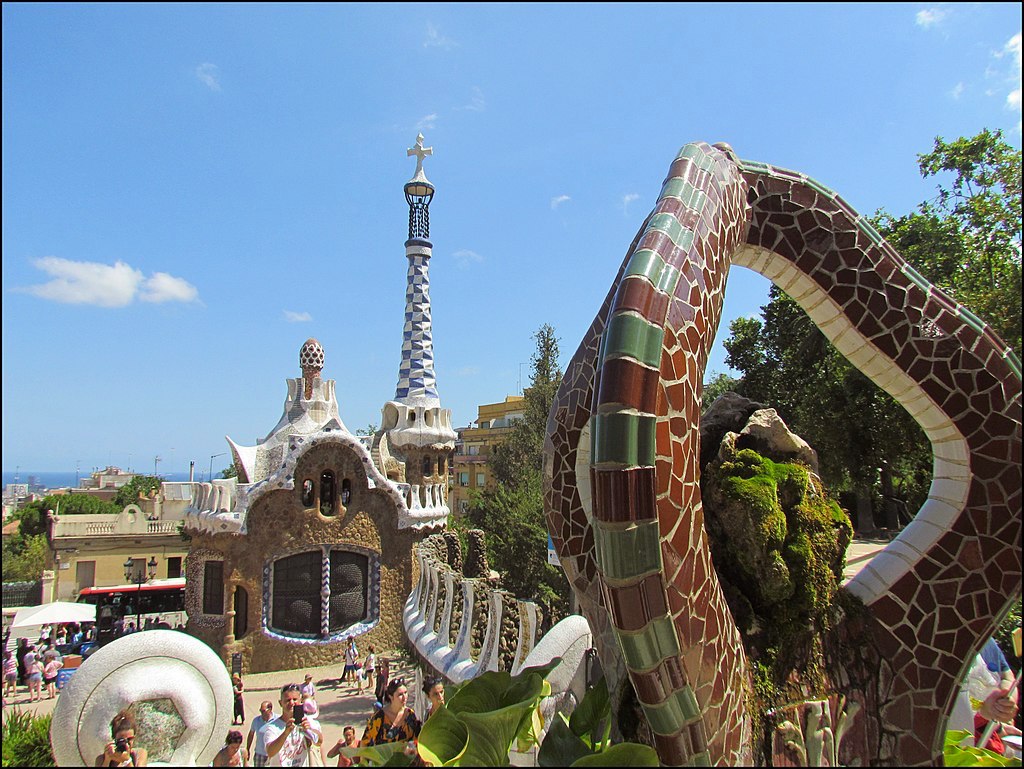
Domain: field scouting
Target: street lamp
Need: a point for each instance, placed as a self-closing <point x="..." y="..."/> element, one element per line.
<point x="213" y="457"/>
<point x="139" y="579"/>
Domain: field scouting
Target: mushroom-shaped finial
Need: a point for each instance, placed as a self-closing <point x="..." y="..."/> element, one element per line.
<point x="311" y="360"/>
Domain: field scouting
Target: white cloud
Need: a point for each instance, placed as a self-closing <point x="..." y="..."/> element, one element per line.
<point x="476" y="102"/>
<point x="167" y="288"/>
<point x="957" y="91"/>
<point x="556" y="202"/>
<point x="627" y="199"/>
<point x="930" y="17"/>
<point x="297" y="317"/>
<point x="435" y="39"/>
<point x="208" y="74"/>
<point x="105" y="285"/>
<point x="427" y="122"/>
<point x="1011" y="78"/>
<point x="465" y="258"/>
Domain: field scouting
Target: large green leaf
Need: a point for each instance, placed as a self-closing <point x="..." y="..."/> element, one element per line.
<point x="593" y="711"/>
<point x="493" y="729"/>
<point x="443" y="739"/>
<point x="561" y="747"/>
<point x="956" y="754"/>
<point x="623" y="754"/>
<point x="380" y="755"/>
<point x="482" y="694"/>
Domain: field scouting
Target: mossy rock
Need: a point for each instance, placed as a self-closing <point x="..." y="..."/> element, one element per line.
<point x="779" y="545"/>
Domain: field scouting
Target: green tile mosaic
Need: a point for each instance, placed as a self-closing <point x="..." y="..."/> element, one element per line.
<point x="669" y="279"/>
<point x="647" y="263"/>
<point x="818" y="186"/>
<point x="869" y="229"/>
<point x="1013" y="362"/>
<point x="667" y="223"/>
<point x="673" y="188"/>
<point x="627" y="439"/>
<point x="916" y="277"/>
<point x="633" y="336"/>
<point x="627" y="554"/>
<point x="646" y="649"/>
<point x="700" y="157"/>
<point x="970" y="318"/>
<point x="701" y="759"/>
<point x="678" y="709"/>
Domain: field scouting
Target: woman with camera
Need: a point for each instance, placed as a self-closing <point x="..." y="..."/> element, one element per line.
<point x="121" y="750"/>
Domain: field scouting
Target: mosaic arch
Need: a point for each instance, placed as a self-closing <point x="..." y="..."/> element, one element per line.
<point x="622" y="485"/>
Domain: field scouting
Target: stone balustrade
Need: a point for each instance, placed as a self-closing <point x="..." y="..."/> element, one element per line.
<point x="430" y="615"/>
<point x="129" y="521"/>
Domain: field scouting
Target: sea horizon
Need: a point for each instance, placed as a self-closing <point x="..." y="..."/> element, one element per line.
<point x="57" y="479"/>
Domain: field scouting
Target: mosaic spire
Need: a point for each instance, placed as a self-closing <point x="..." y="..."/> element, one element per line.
<point x="416" y="382"/>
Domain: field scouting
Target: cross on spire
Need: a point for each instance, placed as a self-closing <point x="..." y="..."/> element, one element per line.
<point x="420" y="152"/>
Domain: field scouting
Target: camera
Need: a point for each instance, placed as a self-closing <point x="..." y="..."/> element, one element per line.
<point x="121" y="745"/>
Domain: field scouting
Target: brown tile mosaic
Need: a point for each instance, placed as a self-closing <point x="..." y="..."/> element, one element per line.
<point x="926" y="618"/>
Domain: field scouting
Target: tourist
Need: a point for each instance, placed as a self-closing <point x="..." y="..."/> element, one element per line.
<point x="348" y="740"/>
<point x="44" y="634"/>
<point x="394" y="722"/>
<point x="369" y="669"/>
<point x="232" y="754"/>
<point x="383" y="674"/>
<point x="256" y="730"/>
<point x="312" y="711"/>
<point x="433" y="687"/>
<point x="998" y="702"/>
<point x="307" y="688"/>
<point x="289" y="740"/>
<point x="33" y="675"/>
<point x="50" y="670"/>
<point x="121" y="750"/>
<point x="10" y="674"/>
<point x="237" y="688"/>
<point x="351" y="660"/>
<point x="62" y="636"/>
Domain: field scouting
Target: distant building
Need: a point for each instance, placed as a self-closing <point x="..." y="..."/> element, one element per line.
<point x="472" y="470"/>
<point x="90" y="550"/>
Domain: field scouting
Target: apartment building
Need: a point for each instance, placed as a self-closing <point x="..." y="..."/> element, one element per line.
<point x="470" y="468"/>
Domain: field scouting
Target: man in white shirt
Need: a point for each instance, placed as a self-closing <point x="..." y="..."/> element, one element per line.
<point x="267" y="714"/>
<point x="288" y="740"/>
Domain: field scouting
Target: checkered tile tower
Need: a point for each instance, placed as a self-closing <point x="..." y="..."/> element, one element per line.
<point x="415" y="419"/>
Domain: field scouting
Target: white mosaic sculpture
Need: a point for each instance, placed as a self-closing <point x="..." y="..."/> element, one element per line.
<point x="183" y="681"/>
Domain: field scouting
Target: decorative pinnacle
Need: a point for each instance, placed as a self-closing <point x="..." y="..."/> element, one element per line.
<point x="420" y="152"/>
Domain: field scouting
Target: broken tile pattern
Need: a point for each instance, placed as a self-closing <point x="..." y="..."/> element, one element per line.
<point x="934" y="597"/>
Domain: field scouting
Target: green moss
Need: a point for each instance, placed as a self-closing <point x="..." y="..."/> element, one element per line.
<point x="782" y="551"/>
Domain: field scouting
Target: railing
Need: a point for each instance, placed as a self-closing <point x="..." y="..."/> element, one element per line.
<point x="435" y="593"/>
<point x="129" y="521"/>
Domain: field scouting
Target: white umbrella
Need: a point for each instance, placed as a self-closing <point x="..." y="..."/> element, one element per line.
<point x="54" y="613"/>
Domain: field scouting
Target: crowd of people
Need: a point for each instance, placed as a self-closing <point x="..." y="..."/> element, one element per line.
<point x="35" y="665"/>
<point x="289" y="732"/>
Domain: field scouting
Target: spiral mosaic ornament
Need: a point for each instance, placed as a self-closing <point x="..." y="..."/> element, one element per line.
<point x="622" y="477"/>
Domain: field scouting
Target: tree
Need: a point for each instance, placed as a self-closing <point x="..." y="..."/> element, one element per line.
<point x="716" y="386"/>
<point x="229" y="472"/>
<point x="512" y="514"/>
<point x="128" y="494"/>
<point x="968" y="238"/>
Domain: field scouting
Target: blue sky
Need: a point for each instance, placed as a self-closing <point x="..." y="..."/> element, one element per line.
<point x="191" y="191"/>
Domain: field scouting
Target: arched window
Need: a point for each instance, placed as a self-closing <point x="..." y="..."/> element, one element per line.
<point x="327" y="493"/>
<point x="296" y="602"/>
<point x="442" y="465"/>
<point x="428" y="465"/>
<point x="241" y="612"/>
<point x="348" y="589"/>
<point x="346" y="492"/>
<point x="307" y="493"/>
<point x="296" y="594"/>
